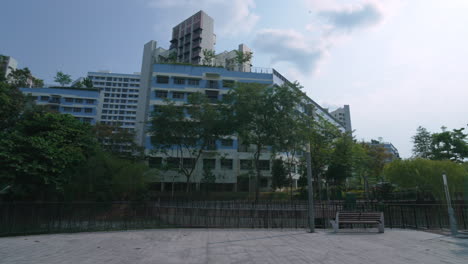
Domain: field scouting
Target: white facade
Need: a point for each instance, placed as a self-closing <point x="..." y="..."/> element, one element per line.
<point x="119" y="94"/>
<point x="228" y="59"/>
<point x="7" y="64"/>
<point x="343" y="115"/>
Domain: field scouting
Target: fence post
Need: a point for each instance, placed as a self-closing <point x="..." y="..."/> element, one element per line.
<point x="295" y="214"/>
<point x="415" y="217"/>
<point x="427" y="219"/>
<point x="390" y="215"/>
<point x="463" y="216"/>
<point x="402" y="217"/>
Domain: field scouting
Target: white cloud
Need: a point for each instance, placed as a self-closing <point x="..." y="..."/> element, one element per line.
<point x="355" y="17"/>
<point x="289" y="46"/>
<point x="232" y="17"/>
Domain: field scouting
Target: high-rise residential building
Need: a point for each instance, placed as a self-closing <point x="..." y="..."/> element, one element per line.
<point x="7" y="64"/>
<point x="343" y="115"/>
<point x="83" y="104"/>
<point x="119" y="94"/>
<point x="191" y="37"/>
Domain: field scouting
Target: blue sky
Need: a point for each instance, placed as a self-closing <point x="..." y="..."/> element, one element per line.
<point x="398" y="64"/>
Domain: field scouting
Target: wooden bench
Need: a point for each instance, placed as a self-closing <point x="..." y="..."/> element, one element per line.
<point x="358" y="218"/>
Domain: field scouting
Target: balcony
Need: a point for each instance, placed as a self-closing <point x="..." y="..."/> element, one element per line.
<point x="196" y="36"/>
<point x="212" y="84"/>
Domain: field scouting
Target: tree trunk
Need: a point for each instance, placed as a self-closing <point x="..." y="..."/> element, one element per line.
<point x="257" y="169"/>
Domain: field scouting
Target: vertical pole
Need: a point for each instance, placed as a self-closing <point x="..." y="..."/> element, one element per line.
<point x="453" y="222"/>
<point x="310" y="190"/>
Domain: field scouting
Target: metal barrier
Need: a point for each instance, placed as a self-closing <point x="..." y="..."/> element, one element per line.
<point x="18" y="218"/>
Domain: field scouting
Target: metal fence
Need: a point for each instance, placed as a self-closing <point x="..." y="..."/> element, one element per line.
<point x="32" y="218"/>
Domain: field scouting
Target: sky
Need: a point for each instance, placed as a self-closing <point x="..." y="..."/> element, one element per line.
<point x="398" y="64"/>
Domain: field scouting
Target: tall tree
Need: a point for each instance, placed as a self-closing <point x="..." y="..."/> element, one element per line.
<point x="341" y="162"/>
<point x="12" y="102"/>
<point x="20" y="77"/>
<point x="62" y="78"/>
<point x="242" y="58"/>
<point x="38" y="83"/>
<point x="322" y="136"/>
<point x="186" y="132"/>
<point x="278" y="174"/>
<point x="290" y="130"/>
<point x="208" y="56"/>
<point x="422" y="143"/>
<point x="261" y="115"/>
<point x="88" y="83"/>
<point x="450" y="145"/>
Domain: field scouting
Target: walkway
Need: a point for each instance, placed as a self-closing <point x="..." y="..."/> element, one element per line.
<point x="234" y="246"/>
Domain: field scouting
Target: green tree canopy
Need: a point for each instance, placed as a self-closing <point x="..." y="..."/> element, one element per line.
<point x="20" y="77"/>
<point x="278" y="174"/>
<point x="426" y="175"/>
<point x="187" y="131"/>
<point x="38" y="152"/>
<point x="62" y="78"/>
<point x="422" y="143"/>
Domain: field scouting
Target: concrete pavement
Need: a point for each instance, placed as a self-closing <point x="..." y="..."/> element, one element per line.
<point x="235" y="246"/>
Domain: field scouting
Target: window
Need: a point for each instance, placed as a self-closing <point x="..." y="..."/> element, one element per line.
<point x="246" y="164"/>
<point x="106" y="100"/>
<point x="77" y="110"/>
<point x="69" y="100"/>
<point x="179" y="81"/>
<point x="226" y="164"/>
<point x="109" y="79"/>
<point x="173" y="162"/>
<point x="264" y="165"/>
<point x="162" y="79"/>
<point x="44" y="98"/>
<point x="194" y="82"/>
<point x="212" y="95"/>
<point x="88" y="110"/>
<point x="227" y="142"/>
<point x="263" y="183"/>
<point x="212" y="84"/>
<point x="177" y="95"/>
<point x="209" y="164"/>
<point x="188" y="162"/>
<point x="161" y="94"/>
<point x="87" y="120"/>
<point x="228" y="83"/>
<point x="125" y="79"/>
<point x="67" y="109"/>
<point x="104" y="111"/>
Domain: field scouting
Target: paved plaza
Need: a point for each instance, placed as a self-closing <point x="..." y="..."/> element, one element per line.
<point x="235" y="246"/>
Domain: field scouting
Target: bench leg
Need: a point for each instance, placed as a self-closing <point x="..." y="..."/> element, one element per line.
<point x="334" y="225"/>
<point x="381" y="228"/>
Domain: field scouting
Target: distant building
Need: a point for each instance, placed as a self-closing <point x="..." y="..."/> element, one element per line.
<point x="7" y="64"/>
<point x="191" y="37"/>
<point x="389" y="148"/>
<point x="83" y="104"/>
<point x="118" y="98"/>
<point x="343" y="115"/>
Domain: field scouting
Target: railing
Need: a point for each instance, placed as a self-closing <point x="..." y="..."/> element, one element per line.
<point x="253" y="69"/>
<point x="31" y="218"/>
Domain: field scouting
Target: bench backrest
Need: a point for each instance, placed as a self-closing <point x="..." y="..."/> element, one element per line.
<point x="359" y="216"/>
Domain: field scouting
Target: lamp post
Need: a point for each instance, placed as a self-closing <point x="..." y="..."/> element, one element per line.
<point x="453" y="222"/>
<point x="310" y="190"/>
